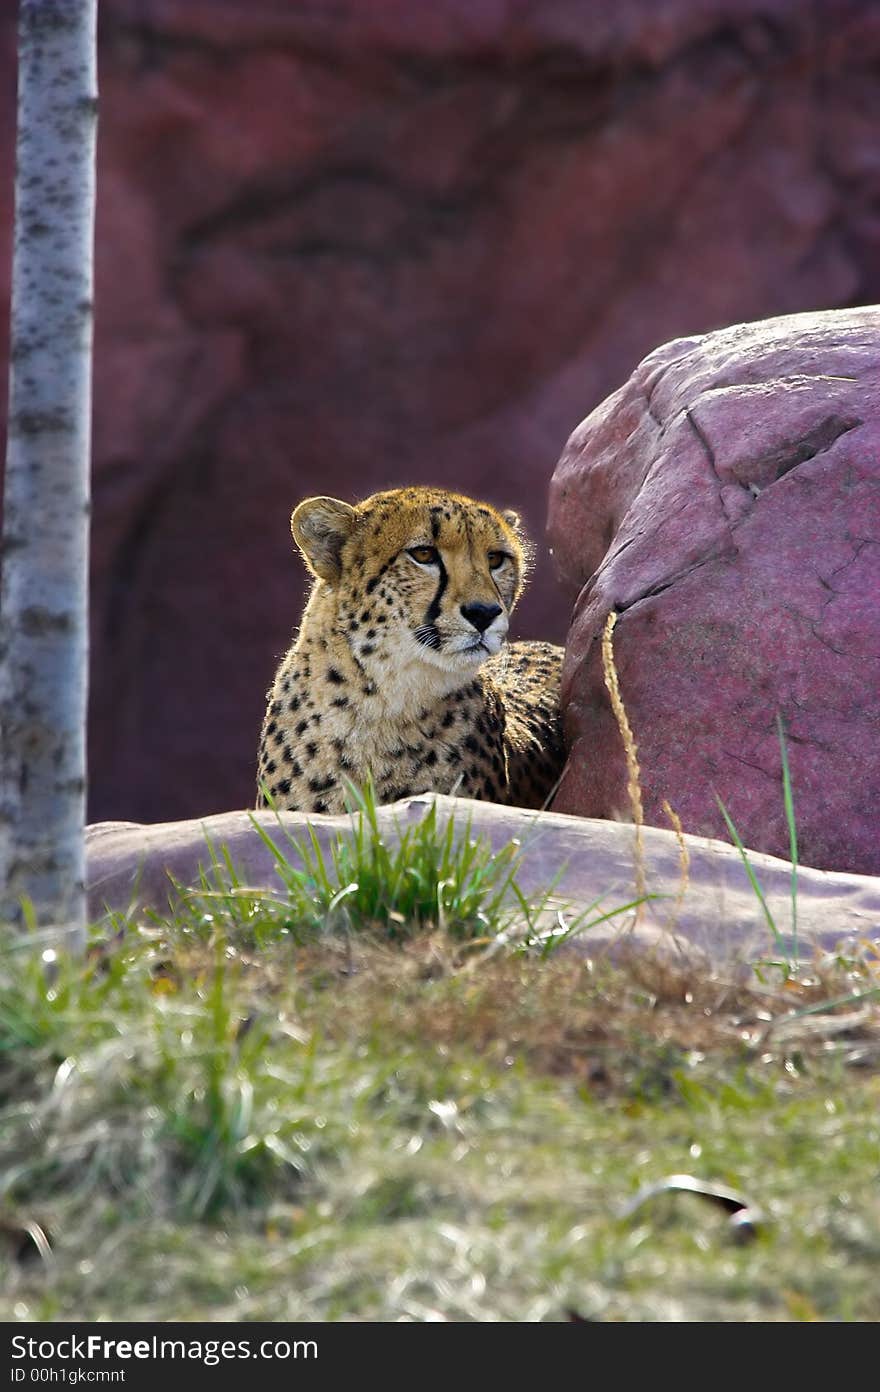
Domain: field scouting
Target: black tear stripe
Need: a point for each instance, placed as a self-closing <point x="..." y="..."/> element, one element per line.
<point x="433" y="612"/>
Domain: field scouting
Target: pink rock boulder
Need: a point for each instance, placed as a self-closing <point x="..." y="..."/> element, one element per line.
<point x="726" y="502"/>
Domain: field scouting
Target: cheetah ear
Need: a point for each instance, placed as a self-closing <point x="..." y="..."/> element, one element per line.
<point x="526" y="550"/>
<point x="320" y="527"/>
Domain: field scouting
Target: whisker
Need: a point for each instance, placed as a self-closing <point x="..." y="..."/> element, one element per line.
<point x="427" y="635"/>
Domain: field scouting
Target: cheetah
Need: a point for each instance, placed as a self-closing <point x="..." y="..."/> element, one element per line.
<point x="400" y="672"/>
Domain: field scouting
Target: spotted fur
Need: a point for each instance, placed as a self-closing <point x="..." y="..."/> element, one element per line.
<point x="400" y="670"/>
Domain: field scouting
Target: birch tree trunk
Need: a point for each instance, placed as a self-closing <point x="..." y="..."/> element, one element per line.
<point x="44" y="552"/>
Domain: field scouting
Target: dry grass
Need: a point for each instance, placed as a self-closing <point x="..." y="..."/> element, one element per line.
<point x="570" y="1016"/>
<point x="684" y="865"/>
<point x="633" y="772"/>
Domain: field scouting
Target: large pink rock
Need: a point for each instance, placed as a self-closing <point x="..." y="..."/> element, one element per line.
<point x="351" y="245"/>
<point x="726" y="502"/>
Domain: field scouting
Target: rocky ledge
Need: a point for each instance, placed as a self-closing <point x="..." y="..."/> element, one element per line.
<point x="591" y="862"/>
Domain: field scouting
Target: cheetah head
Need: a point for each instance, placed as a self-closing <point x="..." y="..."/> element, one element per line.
<point x="417" y="578"/>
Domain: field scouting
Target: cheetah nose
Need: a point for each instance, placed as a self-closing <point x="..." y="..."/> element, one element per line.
<point x="480" y="615"/>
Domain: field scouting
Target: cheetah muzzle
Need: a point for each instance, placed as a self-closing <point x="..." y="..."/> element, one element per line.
<point x="401" y="672"/>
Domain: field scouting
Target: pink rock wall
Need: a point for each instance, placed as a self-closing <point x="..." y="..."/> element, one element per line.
<point x="348" y="246"/>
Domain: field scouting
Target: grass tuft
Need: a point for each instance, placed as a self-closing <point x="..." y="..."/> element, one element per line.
<point x="428" y="877"/>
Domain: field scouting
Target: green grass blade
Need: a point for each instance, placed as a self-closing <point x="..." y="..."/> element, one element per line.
<point x="275" y="850"/>
<point x="853" y="998"/>
<point x="753" y="880"/>
<point x="788" y="798"/>
<point x="580" y="927"/>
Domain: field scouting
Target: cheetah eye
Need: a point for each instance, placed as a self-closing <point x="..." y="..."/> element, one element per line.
<point x="424" y="555"/>
<point x="497" y="559"/>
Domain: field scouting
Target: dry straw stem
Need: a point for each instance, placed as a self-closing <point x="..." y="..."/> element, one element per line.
<point x="633" y="786"/>
<point x="684" y="864"/>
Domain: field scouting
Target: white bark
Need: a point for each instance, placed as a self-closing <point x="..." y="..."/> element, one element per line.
<point x="44" y="595"/>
